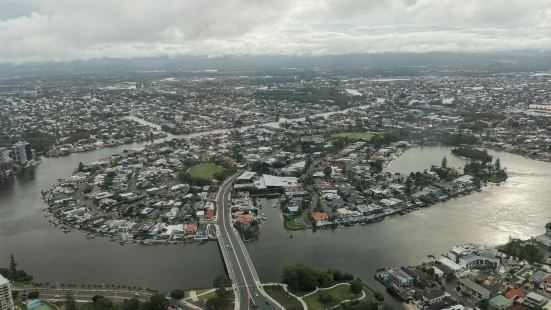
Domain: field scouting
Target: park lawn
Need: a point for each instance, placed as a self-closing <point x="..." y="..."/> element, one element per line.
<point x="87" y="306"/>
<point x="340" y="293"/>
<point x="202" y="295"/>
<point x="287" y="301"/>
<point x="204" y="171"/>
<point x="291" y="224"/>
<point x="198" y="292"/>
<point x="43" y="307"/>
<point x="23" y="285"/>
<point x="354" y="135"/>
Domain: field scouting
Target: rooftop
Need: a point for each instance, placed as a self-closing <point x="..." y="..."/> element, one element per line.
<point x="3" y="280"/>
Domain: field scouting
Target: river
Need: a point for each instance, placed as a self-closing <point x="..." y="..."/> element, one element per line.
<point x="519" y="208"/>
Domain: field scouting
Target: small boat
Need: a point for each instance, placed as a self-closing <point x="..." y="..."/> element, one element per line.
<point x="65" y="229"/>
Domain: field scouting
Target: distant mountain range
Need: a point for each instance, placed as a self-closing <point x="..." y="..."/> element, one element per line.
<point x="384" y="64"/>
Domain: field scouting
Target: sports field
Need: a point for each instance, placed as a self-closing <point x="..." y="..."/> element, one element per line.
<point x="204" y="171"/>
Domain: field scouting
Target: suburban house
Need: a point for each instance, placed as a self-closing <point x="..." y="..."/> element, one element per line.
<point x="319" y="216"/>
<point x="499" y="302"/>
<point x="433" y="295"/>
<point x="535" y="300"/>
<point x="472" y="289"/>
<point x="400" y="278"/>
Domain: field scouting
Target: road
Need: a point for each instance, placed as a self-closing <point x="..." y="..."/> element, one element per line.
<point x="87" y="294"/>
<point x="240" y="268"/>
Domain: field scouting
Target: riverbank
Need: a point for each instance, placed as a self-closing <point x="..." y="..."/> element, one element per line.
<point x="488" y="217"/>
<point x="497" y="275"/>
<point x="344" y="195"/>
<point x="8" y="174"/>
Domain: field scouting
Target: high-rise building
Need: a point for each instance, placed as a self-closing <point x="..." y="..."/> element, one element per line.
<point x="22" y="152"/>
<point x="6" y="300"/>
<point x="28" y="151"/>
<point x="6" y="162"/>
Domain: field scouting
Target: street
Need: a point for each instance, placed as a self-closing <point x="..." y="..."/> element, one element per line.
<point x="240" y="266"/>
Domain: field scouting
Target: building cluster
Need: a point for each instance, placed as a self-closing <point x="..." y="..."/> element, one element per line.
<point x="141" y="195"/>
<point x="212" y="100"/>
<point x="472" y="276"/>
<point x="58" y="117"/>
<point x="328" y="166"/>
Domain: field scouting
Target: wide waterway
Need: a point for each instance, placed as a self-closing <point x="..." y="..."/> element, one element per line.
<point x="519" y="208"/>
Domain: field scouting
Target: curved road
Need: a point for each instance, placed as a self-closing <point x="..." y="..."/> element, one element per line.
<point x="246" y="284"/>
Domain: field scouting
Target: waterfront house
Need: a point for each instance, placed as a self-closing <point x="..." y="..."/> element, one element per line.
<point x="538" y="277"/>
<point x="499" y="302"/>
<point x="433" y="295"/>
<point x="472" y="289"/>
<point x="535" y="300"/>
<point x="319" y="216"/>
<point x="400" y="278"/>
<point x="471" y="256"/>
<point x="515" y="294"/>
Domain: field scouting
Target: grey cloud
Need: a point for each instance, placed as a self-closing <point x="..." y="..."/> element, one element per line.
<point x="38" y="30"/>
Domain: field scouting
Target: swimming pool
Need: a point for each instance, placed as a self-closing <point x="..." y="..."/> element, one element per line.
<point x="31" y="304"/>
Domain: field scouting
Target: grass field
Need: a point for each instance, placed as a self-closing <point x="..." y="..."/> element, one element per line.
<point x="43" y="307"/>
<point x="340" y="293"/>
<point x="353" y="135"/>
<point x="291" y="224"/>
<point x="287" y="301"/>
<point x="204" y="171"/>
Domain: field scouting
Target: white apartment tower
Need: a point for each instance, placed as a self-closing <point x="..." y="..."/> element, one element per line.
<point x="6" y="301"/>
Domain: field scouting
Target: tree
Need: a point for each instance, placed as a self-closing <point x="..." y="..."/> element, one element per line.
<point x="348" y="276"/>
<point x="444" y="164"/>
<point x="476" y="183"/>
<point x="12" y="268"/>
<point x="366" y="305"/>
<point x="221" y="283"/>
<point x="177" y="294"/>
<point x="484" y="304"/>
<point x="70" y="302"/>
<point x="408" y="185"/>
<point x="337" y="275"/>
<point x="498" y="164"/>
<point x="450" y="277"/>
<point x="102" y="303"/>
<point x="327" y="171"/>
<point x="33" y="295"/>
<point x="377" y="165"/>
<point x="131" y="304"/>
<point x="299" y="278"/>
<point x="356" y="286"/>
<point x="155" y="302"/>
<point x="325" y="298"/>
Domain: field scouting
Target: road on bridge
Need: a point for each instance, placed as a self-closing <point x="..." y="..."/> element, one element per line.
<point x="238" y="263"/>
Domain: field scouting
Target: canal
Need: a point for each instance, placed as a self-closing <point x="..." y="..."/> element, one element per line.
<point x="519" y="208"/>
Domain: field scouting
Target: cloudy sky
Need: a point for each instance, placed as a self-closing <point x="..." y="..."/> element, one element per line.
<point x="62" y="30"/>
